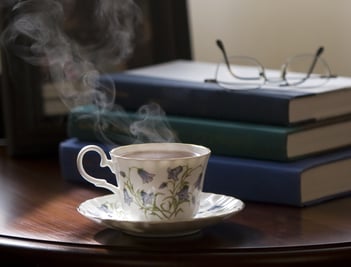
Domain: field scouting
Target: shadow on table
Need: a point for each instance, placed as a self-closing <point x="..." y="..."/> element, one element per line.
<point x="219" y="237"/>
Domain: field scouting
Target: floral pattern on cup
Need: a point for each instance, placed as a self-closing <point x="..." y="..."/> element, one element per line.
<point x="173" y="192"/>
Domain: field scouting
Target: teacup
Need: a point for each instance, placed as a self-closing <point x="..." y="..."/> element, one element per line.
<point x="155" y="181"/>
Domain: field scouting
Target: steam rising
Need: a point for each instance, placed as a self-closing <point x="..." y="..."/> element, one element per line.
<point x="74" y="47"/>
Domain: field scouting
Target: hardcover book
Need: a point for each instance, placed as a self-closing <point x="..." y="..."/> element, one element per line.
<point x="299" y="183"/>
<point x="179" y="88"/>
<point x="228" y="138"/>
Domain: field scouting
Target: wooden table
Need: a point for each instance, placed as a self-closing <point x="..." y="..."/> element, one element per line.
<point x="39" y="226"/>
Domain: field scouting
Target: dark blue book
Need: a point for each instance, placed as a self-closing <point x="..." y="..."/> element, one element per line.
<point x="299" y="183"/>
<point x="179" y="88"/>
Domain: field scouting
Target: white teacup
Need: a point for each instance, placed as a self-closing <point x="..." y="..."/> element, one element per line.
<point x="156" y="181"/>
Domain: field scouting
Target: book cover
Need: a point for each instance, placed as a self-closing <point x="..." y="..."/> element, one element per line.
<point x="179" y="88"/>
<point x="299" y="183"/>
<point x="226" y="138"/>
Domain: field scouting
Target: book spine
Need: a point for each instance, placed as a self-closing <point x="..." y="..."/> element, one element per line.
<point x="223" y="138"/>
<point x="248" y="180"/>
<point x="200" y="99"/>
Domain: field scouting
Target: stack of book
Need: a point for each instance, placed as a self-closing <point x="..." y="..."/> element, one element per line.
<point x="286" y="146"/>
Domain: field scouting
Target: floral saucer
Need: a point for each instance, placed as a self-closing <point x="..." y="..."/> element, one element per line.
<point x="213" y="209"/>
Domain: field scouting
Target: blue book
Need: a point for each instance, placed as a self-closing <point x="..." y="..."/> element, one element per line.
<point x="299" y="183"/>
<point x="179" y="88"/>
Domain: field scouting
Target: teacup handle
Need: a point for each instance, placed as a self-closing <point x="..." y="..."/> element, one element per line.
<point x="104" y="162"/>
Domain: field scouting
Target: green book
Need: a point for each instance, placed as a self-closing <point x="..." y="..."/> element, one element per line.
<point x="228" y="138"/>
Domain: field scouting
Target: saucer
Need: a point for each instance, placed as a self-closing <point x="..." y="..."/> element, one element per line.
<point x="213" y="209"/>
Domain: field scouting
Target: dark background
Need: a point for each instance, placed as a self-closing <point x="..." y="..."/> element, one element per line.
<point x="23" y="125"/>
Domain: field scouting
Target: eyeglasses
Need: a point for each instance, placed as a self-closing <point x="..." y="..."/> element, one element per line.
<point x="243" y="72"/>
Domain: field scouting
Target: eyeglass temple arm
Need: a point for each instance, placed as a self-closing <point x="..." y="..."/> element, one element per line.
<point x="225" y="56"/>
<point x="310" y="70"/>
<point x="319" y="52"/>
<point x="226" y="60"/>
<point x="221" y="47"/>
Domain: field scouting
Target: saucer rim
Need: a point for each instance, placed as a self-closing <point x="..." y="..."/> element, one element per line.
<point x="223" y="215"/>
<point x="165" y="229"/>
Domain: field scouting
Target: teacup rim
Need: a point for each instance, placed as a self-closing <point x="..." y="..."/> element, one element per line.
<point x="205" y="150"/>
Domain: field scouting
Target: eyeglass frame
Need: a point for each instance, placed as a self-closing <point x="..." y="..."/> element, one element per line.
<point x="262" y="73"/>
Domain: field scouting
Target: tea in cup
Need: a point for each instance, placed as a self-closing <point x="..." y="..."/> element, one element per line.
<point x="155" y="181"/>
